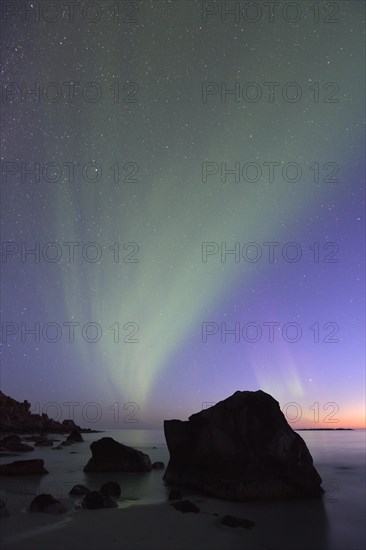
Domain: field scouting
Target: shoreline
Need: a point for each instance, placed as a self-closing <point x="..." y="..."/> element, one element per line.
<point x="334" y="522"/>
<point x="160" y="526"/>
<point x="284" y="525"/>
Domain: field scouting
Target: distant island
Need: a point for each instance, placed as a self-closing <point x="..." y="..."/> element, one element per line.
<point x="322" y="429"/>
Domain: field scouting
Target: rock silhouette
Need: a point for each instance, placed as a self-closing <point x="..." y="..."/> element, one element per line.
<point x="158" y="465"/>
<point x="78" y="490"/>
<point x="23" y="468"/>
<point x="16" y="417"/>
<point x="47" y="504"/>
<point x="74" y="437"/>
<point x="110" y="456"/>
<point x="241" y="449"/>
<point x="13" y="443"/>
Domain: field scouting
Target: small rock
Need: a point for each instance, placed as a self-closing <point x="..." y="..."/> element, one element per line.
<point x="110" y="456"/>
<point x="95" y="500"/>
<point x="175" y="494"/>
<point x="47" y="504"/>
<point x="111" y="489"/>
<point x="232" y="521"/>
<point x="158" y="466"/>
<point x="75" y="437"/>
<point x="186" y="506"/>
<point x="23" y="468"/>
<point x="79" y="489"/>
<point x="13" y="443"/>
<point x="110" y="502"/>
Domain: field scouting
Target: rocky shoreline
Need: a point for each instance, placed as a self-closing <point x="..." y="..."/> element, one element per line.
<point x="16" y="418"/>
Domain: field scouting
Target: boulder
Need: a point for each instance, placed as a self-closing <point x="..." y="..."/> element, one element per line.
<point x="75" y="437"/>
<point x="110" y="456"/>
<point x="95" y="500"/>
<point x="78" y="490"/>
<point x="241" y="449"/>
<point x="158" y="466"/>
<point x="186" y="506"/>
<point x="111" y="489"/>
<point x="13" y="443"/>
<point x="47" y="504"/>
<point x="23" y="468"/>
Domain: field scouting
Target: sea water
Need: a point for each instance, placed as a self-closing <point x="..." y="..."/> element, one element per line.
<point x="339" y="457"/>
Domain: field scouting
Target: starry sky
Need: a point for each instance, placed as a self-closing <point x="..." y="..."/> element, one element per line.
<point x="140" y="145"/>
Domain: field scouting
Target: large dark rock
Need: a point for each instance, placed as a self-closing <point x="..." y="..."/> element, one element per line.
<point x="110" y="456"/>
<point x="47" y="504"/>
<point x="241" y="449"/>
<point x="13" y="443"/>
<point x="23" y="468"/>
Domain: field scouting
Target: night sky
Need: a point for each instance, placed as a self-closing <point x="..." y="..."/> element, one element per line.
<point x="161" y="137"/>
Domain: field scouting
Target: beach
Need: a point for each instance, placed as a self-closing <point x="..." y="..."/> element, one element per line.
<point x="296" y="526"/>
<point x="147" y="520"/>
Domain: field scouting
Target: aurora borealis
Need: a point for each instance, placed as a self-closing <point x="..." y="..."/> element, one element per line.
<point x="135" y="115"/>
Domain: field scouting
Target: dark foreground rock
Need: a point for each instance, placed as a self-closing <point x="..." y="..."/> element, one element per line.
<point x="241" y="449"/>
<point x="186" y="506"/>
<point x="47" y="504"/>
<point x="111" y="489"/>
<point x="79" y="490"/>
<point x="13" y="443"/>
<point x="95" y="500"/>
<point x="110" y="456"/>
<point x="23" y="468"/>
<point x="232" y="521"/>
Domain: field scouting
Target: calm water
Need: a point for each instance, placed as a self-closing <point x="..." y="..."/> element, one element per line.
<point x="338" y="456"/>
